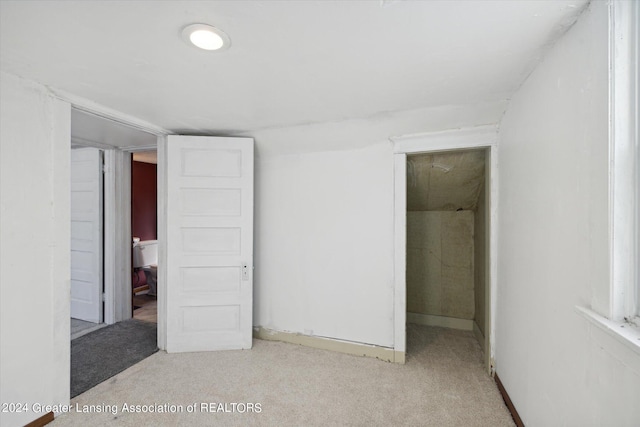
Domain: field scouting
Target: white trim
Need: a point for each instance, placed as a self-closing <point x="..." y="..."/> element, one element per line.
<point x="117" y="232"/>
<point x="442" y="321"/>
<point x="459" y="139"/>
<point x="623" y="332"/>
<point x="400" y="252"/>
<point x="123" y="294"/>
<point x="117" y="236"/>
<point x="456" y="139"/>
<point x="491" y="291"/>
<point x="99" y="236"/>
<point x="162" y="242"/>
<point x="82" y="142"/>
<point x="635" y="52"/>
<point x="479" y="336"/>
<point x="137" y="148"/>
<point x="623" y="159"/>
<point x="110" y="215"/>
<point x="331" y="344"/>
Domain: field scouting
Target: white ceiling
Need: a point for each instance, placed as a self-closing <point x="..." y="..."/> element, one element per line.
<point x="290" y="63"/>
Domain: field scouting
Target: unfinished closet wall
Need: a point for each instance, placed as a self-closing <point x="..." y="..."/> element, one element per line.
<point x="440" y="264"/>
<point x="443" y="190"/>
<point x="481" y="251"/>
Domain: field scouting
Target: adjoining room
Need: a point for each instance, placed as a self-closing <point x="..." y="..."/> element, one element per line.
<point x="113" y="193"/>
<point x="144" y="230"/>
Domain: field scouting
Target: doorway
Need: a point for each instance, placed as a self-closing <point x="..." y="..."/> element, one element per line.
<point x="446" y="244"/>
<point x="144" y="229"/>
<point x="461" y="305"/>
<point x="208" y="184"/>
<point x="116" y="140"/>
<point x="101" y="247"/>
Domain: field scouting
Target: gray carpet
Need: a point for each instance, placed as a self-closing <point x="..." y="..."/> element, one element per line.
<point x="442" y="384"/>
<point x="106" y="352"/>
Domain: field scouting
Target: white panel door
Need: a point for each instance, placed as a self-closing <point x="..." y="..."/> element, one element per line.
<point x="86" y="234"/>
<point x="209" y="243"/>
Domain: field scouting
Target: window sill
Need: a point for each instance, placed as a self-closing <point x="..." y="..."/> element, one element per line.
<point x="623" y="332"/>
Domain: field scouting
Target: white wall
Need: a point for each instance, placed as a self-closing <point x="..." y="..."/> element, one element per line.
<point x="324" y="222"/>
<point x="34" y="261"/>
<point x="553" y="243"/>
<point x="324" y="261"/>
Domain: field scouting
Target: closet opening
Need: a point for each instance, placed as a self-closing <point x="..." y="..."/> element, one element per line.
<point x="447" y="252"/>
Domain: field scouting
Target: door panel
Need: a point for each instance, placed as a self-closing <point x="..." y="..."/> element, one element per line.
<point x="209" y="243"/>
<point x="86" y="234"/>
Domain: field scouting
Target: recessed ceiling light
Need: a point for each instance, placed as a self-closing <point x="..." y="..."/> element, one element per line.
<point x="206" y="37"/>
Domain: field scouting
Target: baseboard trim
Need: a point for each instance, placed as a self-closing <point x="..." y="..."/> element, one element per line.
<point x="442" y="321"/>
<point x="356" y="349"/>
<point x="479" y="335"/>
<point x="507" y="400"/>
<point x="42" y="421"/>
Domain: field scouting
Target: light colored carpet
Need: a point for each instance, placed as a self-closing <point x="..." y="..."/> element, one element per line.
<point x="443" y="383"/>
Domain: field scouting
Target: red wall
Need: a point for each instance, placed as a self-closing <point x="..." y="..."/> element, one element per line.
<point x="144" y="200"/>
<point x="144" y="209"/>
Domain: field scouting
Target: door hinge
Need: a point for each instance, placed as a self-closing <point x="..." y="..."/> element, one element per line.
<point x="103" y="297"/>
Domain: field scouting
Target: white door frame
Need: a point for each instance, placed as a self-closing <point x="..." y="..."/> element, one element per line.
<point x="115" y="193"/>
<point x="118" y="233"/>
<point x="459" y="139"/>
<point x="117" y="229"/>
<point x="162" y="242"/>
<point x="117" y="236"/>
<point x="117" y="210"/>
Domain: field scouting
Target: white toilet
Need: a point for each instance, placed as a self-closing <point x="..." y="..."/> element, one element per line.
<point x="145" y="256"/>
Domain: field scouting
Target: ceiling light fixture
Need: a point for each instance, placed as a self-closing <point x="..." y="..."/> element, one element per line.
<point x="206" y="37"/>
